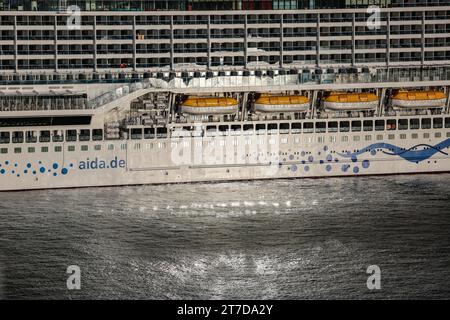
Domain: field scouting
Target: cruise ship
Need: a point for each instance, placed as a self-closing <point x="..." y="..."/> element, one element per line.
<point x="111" y="93"/>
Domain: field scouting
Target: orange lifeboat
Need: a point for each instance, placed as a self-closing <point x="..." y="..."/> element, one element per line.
<point x="343" y="101"/>
<point x="275" y="103"/>
<point x="209" y="105"/>
<point x="418" y="99"/>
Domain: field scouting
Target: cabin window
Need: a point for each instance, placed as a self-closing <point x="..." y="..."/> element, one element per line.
<point x="84" y="148"/>
<point x="161" y="132"/>
<point x="344" y="126"/>
<point x="110" y="147"/>
<point x="17" y="150"/>
<point x="391" y="124"/>
<point x="17" y="137"/>
<point x="31" y="149"/>
<point x="97" y="147"/>
<point x="236" y="128"/>
<point x="248" y="127"/>
<point x="380" y="137"/>
<point x="149" y="133"/>
<point x="438" y="123"/>
<point x="284" y="128"/>
<point x="437" y="135"/>
<point x="321" y="127"/>
<point x="368" y="125"/>
<point x="30" y="137"/>
<point x="368" y="138"/>
<point x="296" y="127"/>
<point x="379" y="125"/>
<point x="5" y="137"/>
<point x="414" y="124"/>
<point x="356" y="125"/>
<point x="403" y="124"/>
<point x="344" y="138"/>
<point x="426" y="135"/>
<point x="391" y="136"/>
<point x="447" y="122"/>
<point x="58" y="149"/>
<point x="71" y="148"/>
<point x="308" y="127"/>
<point x="414" y="136"/>
<point x="71" y="135"/>
<point x="58" y="136"/>
<point x="44" y="136"/>
<point x="44" y="149"/>
<point x="260" y="128"/>
<point x="97" y="134"/>
<point x="224" y="128"/>
<point x="136" y="134"/>
<point x="211" y="128"/>
<point x="403" y="136"/>
<point x="333" y="126"/>
<point x="272" y="127"/>
<point x="85" y="135"/>
<point x="426" y="123"/>
<point x="3" y="150"/>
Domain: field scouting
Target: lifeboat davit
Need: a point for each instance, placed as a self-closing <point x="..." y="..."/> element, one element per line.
<point x="339" y="101"/>
<point x="419" y="99"/>
<point x="268" y="103"/>
<point x="209" y="105"/>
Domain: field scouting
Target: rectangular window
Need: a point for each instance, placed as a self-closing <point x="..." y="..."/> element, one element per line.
<point x="356" y="126"/>
<point x="414" y="124"/>
<point x="379" y="125"/>
<point x="85" y="135"/>
<point x="31" y="150"/>
<point x="44" y="136"/>
<point x="403" y="124"/>
<point x="426" y="135"/>
<point x="17" y="150"/>
<point x="321" y="127"/>
<point x="403" y="136"/>
<point x="356" y="138"/>
<point x="344" y="126"/>
<point x="391" y="124"/>
<point x="71" y="148"/>
<point x="58" y="149"/>
<point x="438" y="123"/>
<point x="368" y="138"/>
<point x="97" y="147"/>
<point x="344" y="138"/>
<point x="296" y="128"/>
<point x="44" y="149"/>
<point x="84" y="148"/>
<point x="111" y="147"/>
<point x="17" y="137"/>
<point x="71" y="135"/>
<point x="97" y="134"/>
<point x="391" y="136"/>
<point x="380" y="137"/>
<point x="5" y="137"/>
<point x="30" y="137"/>
<point x="260" y="128"/>
<point x="308" y="127"/>
<point x="284" y="128"/>
<point x="414" y="136"/>
<point x="3" y="150"/>
<point x="437" y="135"/>
<point x="368" y="125"/>
<point x="333" y="126"/>
<point x="426" y="123"/>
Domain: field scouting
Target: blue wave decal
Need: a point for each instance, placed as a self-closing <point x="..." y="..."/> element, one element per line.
<point x="407" y="154"/>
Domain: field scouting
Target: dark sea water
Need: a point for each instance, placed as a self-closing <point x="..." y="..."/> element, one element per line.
<point x="298" y="239"/>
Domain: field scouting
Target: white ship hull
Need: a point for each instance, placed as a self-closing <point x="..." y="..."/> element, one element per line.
<point x="158" y="161"/>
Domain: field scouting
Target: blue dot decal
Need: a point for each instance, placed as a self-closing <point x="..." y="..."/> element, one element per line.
<point x="42" y="169"/>
<point x="373" y="152"/>
<point x="55" y="174"/>
<point x="25" y="171"/>
<point x="2" y="171"/>
<point x="355" y="170"/>
<point x="328" y="168"/>
<point x="310" y="158"/>
<point x="55" y="166"/>
<point x="345" y="167"/>
<point x="306" y="168"/>
<point x="325" y="148"/>
<point x="71" y="165"/>
<point x="64" y="171"/>
<point x="7" y="162"/>
<point x="28" y="165"/>
<point x="354" y="159"/>
<point x="294" y="168"/>
<point x="366" y="164"/>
